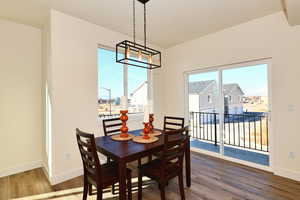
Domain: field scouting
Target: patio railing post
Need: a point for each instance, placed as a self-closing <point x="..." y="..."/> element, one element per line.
<point x="215" y="121"/>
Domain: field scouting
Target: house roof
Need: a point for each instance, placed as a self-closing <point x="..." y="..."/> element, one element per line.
<point x="200" y="86"/>
<point x="206" y="86"/>
<point x="230" y="87"/>
<point x="138" y="88"/>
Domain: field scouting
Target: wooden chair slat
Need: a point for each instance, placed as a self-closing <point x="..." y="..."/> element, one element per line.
<point x="113" y="131"/>
<point x="85" y="144"/>
<point x="113" y="125"/>
<point x="173" y="123"/>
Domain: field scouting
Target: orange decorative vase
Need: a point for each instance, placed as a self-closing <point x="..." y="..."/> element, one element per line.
<point x="146" y="131"/>
<point x="151" y="119"/>
<point x="124" y="128"/>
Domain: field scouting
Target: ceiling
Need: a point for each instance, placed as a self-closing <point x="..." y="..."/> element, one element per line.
<point x="170" y="22"/>
<point x="291" y="9"/>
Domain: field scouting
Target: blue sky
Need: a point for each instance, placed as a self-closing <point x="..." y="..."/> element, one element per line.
<point x="253" y="80"/>
<point x="110" y="75"/>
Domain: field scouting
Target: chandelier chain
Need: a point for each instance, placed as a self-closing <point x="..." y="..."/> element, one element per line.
<point x="145" y="30"/>
<point x="134" y="21"/>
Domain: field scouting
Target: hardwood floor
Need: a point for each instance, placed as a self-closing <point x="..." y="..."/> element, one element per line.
<point x="212" y="179"/>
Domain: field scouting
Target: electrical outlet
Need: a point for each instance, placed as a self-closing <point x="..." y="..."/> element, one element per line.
<point x="291" y="108"/>
<point x="67" y="156"/>
<point x="292" y="155"/>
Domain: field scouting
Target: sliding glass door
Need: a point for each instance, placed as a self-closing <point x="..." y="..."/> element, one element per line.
<point x="203" y="95"/>
<point x="229" y="111"/>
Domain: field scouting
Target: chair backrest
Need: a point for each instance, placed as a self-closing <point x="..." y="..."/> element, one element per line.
<point x="175" y="142"/>
<point x="112" y="126"/>
<point x="89" y="156"/>
<point x="173" y="123"/>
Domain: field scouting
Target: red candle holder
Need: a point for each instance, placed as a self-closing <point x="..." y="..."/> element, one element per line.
<point x="124" y="128"/>
<point x="151" y="119"/>
<point x="146" y="131"/>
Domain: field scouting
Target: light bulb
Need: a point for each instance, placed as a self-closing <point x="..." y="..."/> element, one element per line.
<point x="140" y="55"/>
<point x="150" y="59"/>
<point x="128" y="52"/>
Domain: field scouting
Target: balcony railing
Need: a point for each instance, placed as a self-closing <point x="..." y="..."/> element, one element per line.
<point x="248" y="130"/>
<point x="108" y="116"/>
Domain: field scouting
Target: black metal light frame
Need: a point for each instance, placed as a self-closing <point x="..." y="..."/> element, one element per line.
<point x="123" y="47"/>
<point x="126" y="45"/>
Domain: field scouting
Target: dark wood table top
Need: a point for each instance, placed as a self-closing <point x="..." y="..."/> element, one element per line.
<point x="127" y="149"/>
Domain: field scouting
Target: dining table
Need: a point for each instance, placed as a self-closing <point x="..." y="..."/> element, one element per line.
<point x="124" y="152"/>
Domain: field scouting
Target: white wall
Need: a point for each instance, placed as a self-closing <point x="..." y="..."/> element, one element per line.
<point x="73" y="88"/>
<point x="20" y="97"/>
<point x="270" y="36"/>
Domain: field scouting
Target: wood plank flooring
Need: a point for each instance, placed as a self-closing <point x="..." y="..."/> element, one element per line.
<point x="212" y="179"/>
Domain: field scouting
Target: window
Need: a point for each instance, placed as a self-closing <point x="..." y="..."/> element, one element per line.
<point x="116" y="80"/>
<point x="209" y="99"/>
<point x="137" y="89"/>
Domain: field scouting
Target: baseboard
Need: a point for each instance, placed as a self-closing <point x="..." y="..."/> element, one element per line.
<point x="21" y="168"/>
<point x="65" y="176"/>
<point x="294" y="175"/>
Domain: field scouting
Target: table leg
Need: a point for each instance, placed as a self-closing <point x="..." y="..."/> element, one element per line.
<point x="188" y="163"/>
<point x="122" y="180"/>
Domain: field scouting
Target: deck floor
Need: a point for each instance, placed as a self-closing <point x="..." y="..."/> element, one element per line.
<point x="241" y="154"/>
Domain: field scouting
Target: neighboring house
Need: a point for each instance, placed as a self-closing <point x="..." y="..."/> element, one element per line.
<point x="203" y="97"/>
<point x="138" y="98"/>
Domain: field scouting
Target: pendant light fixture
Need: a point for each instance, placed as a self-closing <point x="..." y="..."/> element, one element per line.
<point x="132" y="53"/>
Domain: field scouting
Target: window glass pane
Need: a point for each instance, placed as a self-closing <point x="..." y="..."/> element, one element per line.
<point x="137" y="89"/>
<point x="110" y="83"/>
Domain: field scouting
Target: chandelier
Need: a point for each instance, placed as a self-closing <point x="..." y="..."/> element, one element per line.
<point x="132" y="53"/>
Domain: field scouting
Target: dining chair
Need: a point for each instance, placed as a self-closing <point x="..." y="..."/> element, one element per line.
<point x="111" y="127"/>
<point x="170" y="123"/>
<point x="173" y="123"/>
<point x="101" y="176"/>
<point x="169" y="165"/>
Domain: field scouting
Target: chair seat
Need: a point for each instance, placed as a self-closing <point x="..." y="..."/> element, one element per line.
<point x="152" y="169"/>
<point x="109" y="172"/>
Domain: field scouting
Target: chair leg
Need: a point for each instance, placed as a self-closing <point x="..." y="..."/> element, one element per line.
<point x="181" y="187"/>
<point x="139" y="162"/>
<point x="99" y="193"/>
<point x="140" y="185"/>
<point x="85" y="188"/>
<point x="129" y="186"/>
<point x="113" y="189"/>
<point x="90" y="189"/>
<point x="162" y="191"/>
<point x="149" y="158"/>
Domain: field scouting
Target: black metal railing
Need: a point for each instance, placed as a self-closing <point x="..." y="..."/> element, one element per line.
<point x="108" y="116"/>
<point x="247" y="130"/>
